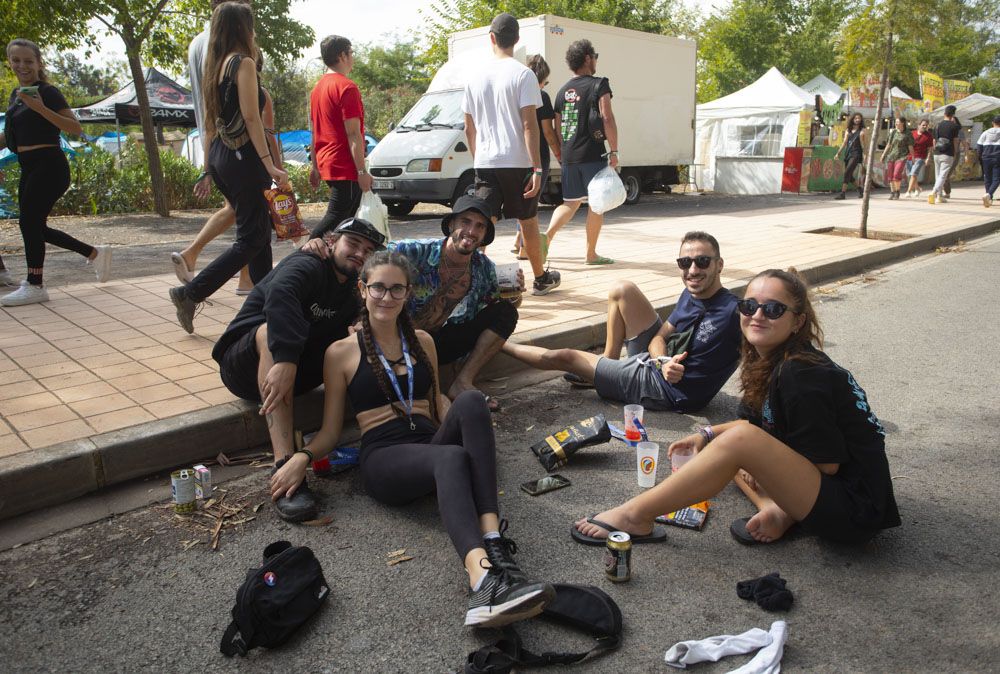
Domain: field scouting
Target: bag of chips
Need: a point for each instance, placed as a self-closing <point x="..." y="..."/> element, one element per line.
<point x="285" y="216"/>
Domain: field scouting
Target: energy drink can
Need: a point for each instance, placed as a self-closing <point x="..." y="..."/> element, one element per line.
<point x="182" y="489"/>
<point x="618" y="557"/>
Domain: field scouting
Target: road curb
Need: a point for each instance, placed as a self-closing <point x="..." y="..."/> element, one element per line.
<point x="62" y="472"/>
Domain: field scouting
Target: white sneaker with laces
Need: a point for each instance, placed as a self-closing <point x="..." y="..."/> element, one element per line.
<point x="102" y="263"/>
<point x="6" y="279"/>
<point x="26" y="294"/>
<point x="987" y="200"/>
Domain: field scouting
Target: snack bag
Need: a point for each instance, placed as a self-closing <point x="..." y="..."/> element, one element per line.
<point x="555" y="450"/>
<point x="285" y="215"/>
<point x="692" y="517"/>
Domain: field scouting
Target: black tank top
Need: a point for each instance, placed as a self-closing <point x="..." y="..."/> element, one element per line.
<point x="365" y="393"/>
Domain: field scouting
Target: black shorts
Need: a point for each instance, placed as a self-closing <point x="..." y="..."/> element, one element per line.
<point x="504" y="188"/>
<point x="238" y="367"/>
<point x="831" y="515"/>
<point x="452" y="341"/>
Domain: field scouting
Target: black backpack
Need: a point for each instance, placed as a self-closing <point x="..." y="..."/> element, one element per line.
<point x="595" y="123"/>
<point x="276" y="599"/>
<point x="583" y="607"/>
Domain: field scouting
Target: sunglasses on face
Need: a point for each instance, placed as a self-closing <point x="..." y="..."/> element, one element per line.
<point x="702" y="261"/>
<point x="378" y="290"/>
<point x="773" y="310"/>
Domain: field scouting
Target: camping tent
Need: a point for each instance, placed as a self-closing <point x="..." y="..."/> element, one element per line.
<point x="740" y="138"/>
<point x="170" y="103"/>
<point x="825" y="87"/>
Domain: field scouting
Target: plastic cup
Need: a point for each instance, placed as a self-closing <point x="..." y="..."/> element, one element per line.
<point x="633" y="412"/>
<point x="646" y="456"/>
<point x="680" y="457"/>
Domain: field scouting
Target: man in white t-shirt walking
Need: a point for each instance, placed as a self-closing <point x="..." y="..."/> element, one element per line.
<point x="502" y="130"/>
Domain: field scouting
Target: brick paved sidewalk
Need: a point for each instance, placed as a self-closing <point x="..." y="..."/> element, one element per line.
<point x="98" y="358"/>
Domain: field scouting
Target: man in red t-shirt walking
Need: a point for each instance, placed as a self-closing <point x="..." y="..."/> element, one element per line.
<point x="338" y="128"/>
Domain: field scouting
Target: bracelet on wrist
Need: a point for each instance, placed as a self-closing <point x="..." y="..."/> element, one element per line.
<point x="307" y="453"/>
<point x="706" y="432"/>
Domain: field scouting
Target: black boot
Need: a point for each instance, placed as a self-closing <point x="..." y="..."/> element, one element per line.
<point x="840" y="196"/>
<point x="861" y="192"/>
<point x="301" y="506"/>
<point x="501" y="551"/>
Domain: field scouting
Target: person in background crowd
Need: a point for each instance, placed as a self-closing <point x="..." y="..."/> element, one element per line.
<point x="338" y="126"/>
<point x="809" y="449"/>
<point x="501" y="127"/>
<point x="545" y="114"/>
<point x="583" y="155"/>
<point x="897" y="148"/>
<point x="923" y="141"/>
<point x="988" y="147"/>
<point x="415" y="442"/>
<point x="946" y="153"/>
<point x="238" y="157"/>
<point x="36" y="114"/>
<point x="853" y="152"/>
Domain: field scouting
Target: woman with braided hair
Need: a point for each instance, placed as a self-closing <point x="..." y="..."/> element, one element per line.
<point x="414" y="442"/>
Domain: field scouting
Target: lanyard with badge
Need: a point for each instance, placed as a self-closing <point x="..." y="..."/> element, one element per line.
<point x="394" y="380"/>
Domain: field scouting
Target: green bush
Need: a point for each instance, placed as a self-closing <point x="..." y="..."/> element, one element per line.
<point x="304" y="193"/>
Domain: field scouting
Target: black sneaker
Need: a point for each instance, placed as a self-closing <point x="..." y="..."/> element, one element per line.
<point x="840" y="196"/>
<point x="545" y="283"/>
<point x="501" y="600"/>
<point x="301" y="506"/>
<point x="501" y="553"/>
<point x="186" y="308"/>
<point x="577" y="381"/>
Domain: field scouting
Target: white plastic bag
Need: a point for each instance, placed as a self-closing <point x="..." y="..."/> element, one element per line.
<point x="605" y="191"/>
<point x="374" y="211"/>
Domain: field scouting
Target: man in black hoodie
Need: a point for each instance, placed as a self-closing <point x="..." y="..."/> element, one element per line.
<point x="274" y="348"/>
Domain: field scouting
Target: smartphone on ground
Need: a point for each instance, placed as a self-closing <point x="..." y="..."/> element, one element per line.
<point x="545" y="484"/>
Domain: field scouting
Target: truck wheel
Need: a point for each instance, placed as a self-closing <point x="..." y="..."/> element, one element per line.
<point x="464" y="183"/>
<point x="400" y="208"/>
<point x="633" y="186"/>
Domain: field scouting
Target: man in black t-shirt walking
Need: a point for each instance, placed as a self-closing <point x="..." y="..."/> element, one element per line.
<point x="946" y="153"/>
<point x="583" y="155"/>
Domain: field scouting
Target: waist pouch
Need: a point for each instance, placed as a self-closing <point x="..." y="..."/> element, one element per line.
<point x="583" y="607"/>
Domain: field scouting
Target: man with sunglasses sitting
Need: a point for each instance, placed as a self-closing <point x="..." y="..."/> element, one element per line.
<point x="455" y="296"/>
<point x="273" y="349"/>
<point x="678" y="365"/>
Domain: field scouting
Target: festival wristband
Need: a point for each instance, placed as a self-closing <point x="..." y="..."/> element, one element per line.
<point x="307" y="453"/>
<point x="706" y="432"/>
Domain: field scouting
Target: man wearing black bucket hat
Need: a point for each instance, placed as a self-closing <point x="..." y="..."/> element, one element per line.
<point x="456" y="296"/>
<point x="273" y="350"/>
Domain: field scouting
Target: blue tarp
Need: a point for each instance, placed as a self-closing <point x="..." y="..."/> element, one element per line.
<point x="295" y="145"/>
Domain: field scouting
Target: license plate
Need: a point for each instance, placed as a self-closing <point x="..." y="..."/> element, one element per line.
<point x="383" y="184"/>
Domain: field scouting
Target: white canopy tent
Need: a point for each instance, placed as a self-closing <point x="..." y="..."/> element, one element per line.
<point x="971" y="106"/>
<point x="825" y="87"/>
<point x="740" y="138"/>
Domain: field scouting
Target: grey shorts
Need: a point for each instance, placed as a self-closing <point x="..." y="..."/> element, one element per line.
<point x="630" y="380"/>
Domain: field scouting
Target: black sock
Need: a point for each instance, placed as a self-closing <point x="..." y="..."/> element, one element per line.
<point x="768" y="591"/>
<point x="35" y="279"/>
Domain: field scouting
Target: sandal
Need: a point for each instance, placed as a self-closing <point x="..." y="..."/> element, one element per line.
<point x="600" y="259"/>
<point x="657" y="535"/>
<point x="739" y="531"/>
<point x="181" y="270"/>
<point x="577" y="381"/>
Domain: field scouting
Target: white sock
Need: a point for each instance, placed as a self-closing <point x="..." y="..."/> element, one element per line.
<point x="712" y="649"/>
<point x="491" y="534"/>
<point x="768" y="659"/>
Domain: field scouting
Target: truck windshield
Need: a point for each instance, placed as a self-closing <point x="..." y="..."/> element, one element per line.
<point x="441" y="109"/>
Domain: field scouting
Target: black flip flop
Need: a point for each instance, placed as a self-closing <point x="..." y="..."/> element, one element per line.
<point x="577" y="381"/>
<point x="739" y="531"/>
<point x="658" y="535"/>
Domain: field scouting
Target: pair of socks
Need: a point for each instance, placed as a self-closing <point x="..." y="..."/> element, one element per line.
<point x="768" y="591"/>
<point x="771" y="647"/>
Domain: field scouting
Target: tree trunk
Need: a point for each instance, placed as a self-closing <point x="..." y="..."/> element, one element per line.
<point x="148" y="132"/>
<point x="873" y="141"/>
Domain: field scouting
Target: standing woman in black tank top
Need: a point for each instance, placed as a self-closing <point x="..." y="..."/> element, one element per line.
<point x="239" y="160"/>
<point x="37" y="113"/>
<point x="414" y="444"/>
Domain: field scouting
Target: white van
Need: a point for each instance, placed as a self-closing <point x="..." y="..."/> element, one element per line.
<point x="426" y="156"/>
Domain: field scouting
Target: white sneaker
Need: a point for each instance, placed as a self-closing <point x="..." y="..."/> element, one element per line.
<point x="102" y="263"/>
<point x="6" y="279"/>
<point x="987" y="200"/>
<point x="26" y="294"/>
<point x="908" y="195"/>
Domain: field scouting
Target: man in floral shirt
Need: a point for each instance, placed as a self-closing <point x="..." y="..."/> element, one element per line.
<point x="455" y="295"/>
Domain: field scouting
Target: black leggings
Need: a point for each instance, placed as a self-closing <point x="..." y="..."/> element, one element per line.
<point x="853" y="161"/>
<point x="459" y="463"/>
<point x="44" y="178"/>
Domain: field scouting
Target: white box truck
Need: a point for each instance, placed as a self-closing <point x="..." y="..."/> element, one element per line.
<point x="425" y="158"/>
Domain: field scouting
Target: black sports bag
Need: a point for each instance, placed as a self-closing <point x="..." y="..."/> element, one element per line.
<point x="276" y="599"/>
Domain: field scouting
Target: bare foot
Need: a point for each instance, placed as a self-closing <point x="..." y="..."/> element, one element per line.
<point x="769" y="524"/>
<point x="619" y="519"/>
<point x="458" y="387"/>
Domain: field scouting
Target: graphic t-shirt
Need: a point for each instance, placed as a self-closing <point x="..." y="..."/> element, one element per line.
<point x="335" y="98"/>
<point x="951" y="130"/>
<point x="922" y="143"/>
<point x="544" y="112"/>
<point x="714" y="350"/>
<point x="820" y="411"/>
<point x="26" y="127"/>
<point x="573" y="104"/>
<point x="494" y="100"/>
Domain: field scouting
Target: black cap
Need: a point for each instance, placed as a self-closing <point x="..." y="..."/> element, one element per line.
<point x="996" y="120"/>
<point x="467" y="202"/>
<point x="361" y="228"/>
<point x="505" y="26"/>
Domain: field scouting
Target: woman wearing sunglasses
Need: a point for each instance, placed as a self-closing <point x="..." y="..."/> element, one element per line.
<point x="810" y="450"/>
<point x="415" y="443"/>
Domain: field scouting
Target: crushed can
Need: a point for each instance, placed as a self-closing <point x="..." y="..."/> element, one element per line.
<point x="182" y="489"/>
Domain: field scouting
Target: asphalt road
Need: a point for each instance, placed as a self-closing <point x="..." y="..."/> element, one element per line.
<point x="124" y="595"/>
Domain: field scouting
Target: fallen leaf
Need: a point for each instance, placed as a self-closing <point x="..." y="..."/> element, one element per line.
<point x="83" y="558"/>
<point x="529" y="427"/>
<point x="216" y="534"/>
<point x="321" y="522"/>
<point x="397" y="553"/>
<point x="208" y="504"/>
<point x="397" y="560"/>
<point x="187" y="545"/>
<point x="146" y="540"/>
<point x="32" y="583"/>
<point x="257" y="507"/>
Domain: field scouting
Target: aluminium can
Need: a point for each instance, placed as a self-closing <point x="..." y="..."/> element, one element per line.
<point x="618" y="557"/>
<point x="182" y="489"/>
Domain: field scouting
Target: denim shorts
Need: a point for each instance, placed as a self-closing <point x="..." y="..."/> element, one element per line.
<point x="914" y="167"/>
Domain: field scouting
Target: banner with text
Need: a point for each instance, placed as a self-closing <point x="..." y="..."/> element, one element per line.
<point x="863" y="97"/>
<point x="956" y="90"/>
<point x="931" y="90"/>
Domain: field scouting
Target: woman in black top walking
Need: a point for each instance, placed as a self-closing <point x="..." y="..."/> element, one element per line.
<point x="415" y="443"/>
<point x="810" y="450"/>
<point x="36" y="115"/>
<point x="853" y="150"/>
<point x="239" y="160"/>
